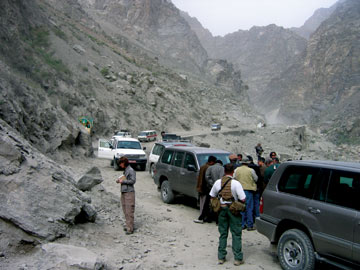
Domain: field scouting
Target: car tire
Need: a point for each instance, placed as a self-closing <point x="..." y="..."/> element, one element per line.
<point x="295" y="251"/>
<point x="151" y="170"/>
<point x="167" y="194"/>
<point x="111" y="162"/>
<point x="116" y="166"/>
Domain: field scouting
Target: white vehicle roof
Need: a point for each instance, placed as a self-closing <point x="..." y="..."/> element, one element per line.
<point x="125" y="139"/>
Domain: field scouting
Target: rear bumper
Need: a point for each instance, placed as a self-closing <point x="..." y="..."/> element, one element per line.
<point x="266" y="228"/>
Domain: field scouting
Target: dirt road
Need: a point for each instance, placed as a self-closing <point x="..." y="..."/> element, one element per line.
<point x="165" y="234"/>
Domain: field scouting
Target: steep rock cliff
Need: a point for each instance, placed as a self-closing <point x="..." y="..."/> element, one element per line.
<point x="324" y="86"/>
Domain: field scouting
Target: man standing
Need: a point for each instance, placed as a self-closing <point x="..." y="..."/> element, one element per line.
<point x="203" y="191"/>
<point x="247" y="177"/>
<point x="230" y="190"/>
<point x="273" y="164"/>
<point x="214" y="173"/>
<point x="127" y="182"/>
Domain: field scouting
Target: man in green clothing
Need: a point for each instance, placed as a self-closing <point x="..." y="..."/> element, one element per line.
<point x="273" y="164"/>
<point x="229" y="190"/>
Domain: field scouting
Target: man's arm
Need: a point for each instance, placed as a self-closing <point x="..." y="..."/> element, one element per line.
<point x="253" y="173"/>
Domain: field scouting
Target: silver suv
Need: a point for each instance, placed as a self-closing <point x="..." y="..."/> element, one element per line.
<point x="311" y="209"/>
<point x="177" y="169"/>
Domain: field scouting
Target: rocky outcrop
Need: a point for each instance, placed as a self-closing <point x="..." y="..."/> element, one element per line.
<point x="155" y="25"/>
<point x="324" y="86"/>
<point x="37" y="195"/>
<point x="315" y="20"/>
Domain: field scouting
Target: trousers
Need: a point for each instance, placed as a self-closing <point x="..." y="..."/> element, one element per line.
<point x="128" y="207"/>
<point x="227" y="220"/>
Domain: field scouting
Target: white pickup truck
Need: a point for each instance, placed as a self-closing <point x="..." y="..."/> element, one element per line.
<point x="118" y="147"/>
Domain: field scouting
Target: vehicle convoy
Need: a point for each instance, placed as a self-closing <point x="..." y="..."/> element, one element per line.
<point x="157" y="149"/>
<point x="121" y="146"/>
<point x="177" y="169"/>
<point x="147" y="136"/>
<point x="311" y="210"/>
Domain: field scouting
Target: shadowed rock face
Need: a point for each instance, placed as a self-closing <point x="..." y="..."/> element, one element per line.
<point x="324" y="86"/>
<point x="37" y="195"/>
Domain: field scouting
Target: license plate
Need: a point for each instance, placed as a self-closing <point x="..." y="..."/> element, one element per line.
<point x="132" y="161"/>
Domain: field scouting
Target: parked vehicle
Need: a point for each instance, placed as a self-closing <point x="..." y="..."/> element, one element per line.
<point x="177" y="169"/>
<point x="118" y="147"/>
<point x="215" y="127"/>
<point x="156" y="151"/>
<point x="171" y="137"/>
<point x="311" y="210"/>
<point x="147" y="136"/>
<point x="122" y="134"/>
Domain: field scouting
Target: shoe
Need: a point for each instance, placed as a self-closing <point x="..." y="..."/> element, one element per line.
<point x="237" y="262"/>
<point x="198" y="221"/>
<point x="221" y="261"/>
<point x="244" y="227"/>
<point x="251" y="229"/>
<point x="129" y="232"/>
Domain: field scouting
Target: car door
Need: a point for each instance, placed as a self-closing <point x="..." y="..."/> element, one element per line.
<point x="104" y="149"/>
<point x="176" y="171"/>
<point x="188" y="177"/>
<point x="356" y="244"/>
<point x="331" y="214"/>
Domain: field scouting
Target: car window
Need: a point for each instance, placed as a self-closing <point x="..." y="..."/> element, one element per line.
<point x="178" y="159"/>
<point x="189" y="160"/>
<point x="167" y="156"/>
<point x="128" y="145"/>
<point x="299" y="181"/>
<point x="341" y="188"/>
<point x="203" y="158"/>
<point x="105" y="144"/>
<point x="158" y="149"/>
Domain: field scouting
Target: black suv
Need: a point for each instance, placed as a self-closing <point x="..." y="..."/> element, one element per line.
<point x="311" y="209"/>
<point x="177" y="169"/>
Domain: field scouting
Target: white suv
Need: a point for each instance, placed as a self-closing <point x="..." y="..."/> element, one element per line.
<point x="118" y="147"/>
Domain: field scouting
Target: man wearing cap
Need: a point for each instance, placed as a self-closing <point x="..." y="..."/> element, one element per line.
<point x="247" y="177"/>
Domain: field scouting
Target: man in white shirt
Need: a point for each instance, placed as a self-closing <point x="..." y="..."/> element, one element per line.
<point x="230" y="190"/>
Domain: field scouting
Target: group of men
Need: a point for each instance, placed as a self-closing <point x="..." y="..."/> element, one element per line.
<point x="247" y="182"/>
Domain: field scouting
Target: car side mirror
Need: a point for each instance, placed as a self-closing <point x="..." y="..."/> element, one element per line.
<point x="144" y="148"/>
<point x="191" y="168"/>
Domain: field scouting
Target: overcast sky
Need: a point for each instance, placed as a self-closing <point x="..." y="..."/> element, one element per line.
<point x="227" y="16"/>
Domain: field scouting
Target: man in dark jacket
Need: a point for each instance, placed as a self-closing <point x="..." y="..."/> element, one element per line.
<point x="203" y="191"/>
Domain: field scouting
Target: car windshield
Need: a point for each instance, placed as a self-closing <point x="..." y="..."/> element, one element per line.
<point x="142" y="134"/>
<point x="128" y="145"/>
<point x="203" y="158"/>
<point x="120" y="134"/>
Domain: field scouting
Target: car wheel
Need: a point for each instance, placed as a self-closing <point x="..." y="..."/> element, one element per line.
<point x="116" y="166"/>
<point x="111" y="162"/>
<point x="295" y="251"/>
<point x="152" y="168"/>
<point x="167" y="194"/>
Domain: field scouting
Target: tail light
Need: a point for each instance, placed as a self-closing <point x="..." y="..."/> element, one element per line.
<point x="261" y="205"/>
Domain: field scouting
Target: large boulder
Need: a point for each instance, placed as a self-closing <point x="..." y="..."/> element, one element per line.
<point x="37" y="195"/>
<point x="90" y="179"/>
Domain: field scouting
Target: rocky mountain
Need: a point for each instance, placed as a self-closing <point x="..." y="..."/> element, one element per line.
<point x="260" y="53"/>
<point x="58" y="63"/>
<point x="315" y="20"/>
<point x="323" y="87"/>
